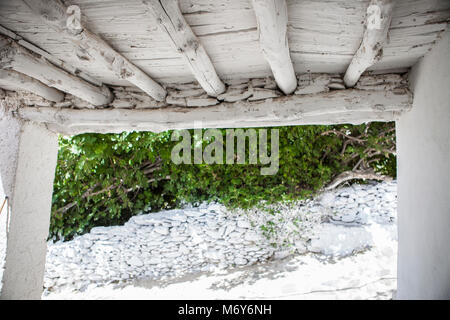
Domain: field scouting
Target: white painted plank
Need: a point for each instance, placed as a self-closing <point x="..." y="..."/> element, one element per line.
<point x="323" y="36"/>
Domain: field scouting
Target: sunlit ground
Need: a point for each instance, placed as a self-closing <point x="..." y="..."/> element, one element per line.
<point x="370" y="274"/>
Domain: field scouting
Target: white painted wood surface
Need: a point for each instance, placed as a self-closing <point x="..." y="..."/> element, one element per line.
<point x="339" y="106"/>
<point x="49" y="57"/>
<point x="167" y="13"/>
<point x="90" y="47"/>
<point x="378" y="21"/>
<point x="15" y="80"/>
<point x="323" y="36"/>
<point x="272" y="20"/>
<point x="20" y="59"/>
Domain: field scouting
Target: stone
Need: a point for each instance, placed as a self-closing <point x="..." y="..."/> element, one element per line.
<point x="100" y="230"/>
<point x="236" y="234"/>
<point x="85" y="243"/>
<point x="215" y="234"/>
<point x="148" y="219"/>
<point x="251" y="249"/>
<point x="183" y="249"/>
<point x="154" y="260"/>
<point x="349" y="216"/>
<point x="229" y="229"/>
<point x="173" y="254"/>
<point x="222" y="230"/>
<point x="178" y="216"/>
<point x="135" y="261"/>
<point x="278" y="255"/>
<point x="194" y="213"/>
<point x="235" y="240"/>
<point x="245" y="224"/>
<point x="240" y="261"/>
<point x="176" y="223"/>
<point x="70" y="252"/>
<point x="214" y="255"/>
<point x="161" y="230"/>
<point x="211" y="222"/>
<point x="327" y="199"/>
<point x="177" y="239"/>
<point x="252" y="236"/>
<point x="103" y="236"/>
<point x="196" y="239"/>
<point x="390" y="197"/>
<point x="300" y="247"/>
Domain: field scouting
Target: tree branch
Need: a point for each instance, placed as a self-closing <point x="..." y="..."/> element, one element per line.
<point x="351" y="175"/>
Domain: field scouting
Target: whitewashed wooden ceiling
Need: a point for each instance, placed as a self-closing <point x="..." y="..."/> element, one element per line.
<point x="323" y="35"/>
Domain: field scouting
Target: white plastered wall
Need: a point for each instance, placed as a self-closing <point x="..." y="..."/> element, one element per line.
<point x="423" y="145"/>
<point x="27" y="166"/>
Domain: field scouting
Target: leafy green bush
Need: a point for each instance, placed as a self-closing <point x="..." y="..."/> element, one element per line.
<point x="103" y="179"/>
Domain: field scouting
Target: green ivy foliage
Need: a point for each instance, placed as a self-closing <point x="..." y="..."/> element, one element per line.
<point x="104" y="179"/>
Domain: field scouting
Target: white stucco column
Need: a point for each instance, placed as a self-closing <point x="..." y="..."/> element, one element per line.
<point x="423" y="146"/>
<point x="28" y="155"/>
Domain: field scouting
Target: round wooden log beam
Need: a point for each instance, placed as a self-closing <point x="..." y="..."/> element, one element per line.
<point x="26" y="83"/>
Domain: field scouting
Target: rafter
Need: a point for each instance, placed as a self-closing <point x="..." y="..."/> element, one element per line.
<point x="272" y="18"/>
<point x="167" y="13"/>
<point x="57" y="62"/>
<point x="378" y="20"/>
<point x="23" y="82"/>
<point x="14" y="56"/>
<point x="339" y="106"/>
<point x="67" y="20"/>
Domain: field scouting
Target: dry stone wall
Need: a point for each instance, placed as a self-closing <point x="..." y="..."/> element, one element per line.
<point x="209" y="237"/>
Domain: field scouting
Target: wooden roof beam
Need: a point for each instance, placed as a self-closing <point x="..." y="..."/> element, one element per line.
<point x="14" y="56"/>
<point x="378" y="20"/>
<point x="339" y="106"/>
<point x="272" y="18"/>
<point x="26" y="83"/>
<point x="168" y="14"/>
<point x="57" y="62"/>
<point x="67" y="20"/>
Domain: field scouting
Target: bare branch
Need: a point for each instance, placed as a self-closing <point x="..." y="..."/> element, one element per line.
<point x="350" y="175"/>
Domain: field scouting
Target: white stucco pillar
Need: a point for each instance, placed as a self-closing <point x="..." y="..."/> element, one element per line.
<point x="423" y="146"/>
<point x="28" y="155"/>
